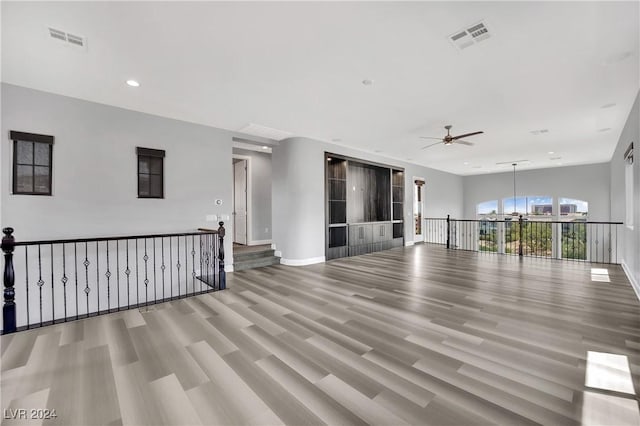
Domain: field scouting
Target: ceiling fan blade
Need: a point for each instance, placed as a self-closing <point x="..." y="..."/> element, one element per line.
<point x="433" y="144"/>
<point x="429" y="137"/>
<point x="465" y="135"/>
<point x="461" y="142"/>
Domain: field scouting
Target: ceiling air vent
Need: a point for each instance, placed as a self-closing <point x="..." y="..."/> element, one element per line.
<point x="70" y="39"/>
<point x="469" y="36"/>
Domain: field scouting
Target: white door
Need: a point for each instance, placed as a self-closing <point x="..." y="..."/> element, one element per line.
<point x="240" y="201"/>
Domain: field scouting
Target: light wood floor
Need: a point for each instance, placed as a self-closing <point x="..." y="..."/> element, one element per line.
<point x="412" y="335"/>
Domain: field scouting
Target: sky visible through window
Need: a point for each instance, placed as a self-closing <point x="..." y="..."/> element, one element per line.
<point x="534" y="205"/>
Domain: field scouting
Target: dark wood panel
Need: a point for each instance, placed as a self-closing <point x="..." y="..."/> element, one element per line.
<point x="368" y="194"/>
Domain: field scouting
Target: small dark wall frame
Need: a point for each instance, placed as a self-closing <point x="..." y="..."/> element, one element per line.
<point x="34" y="138"/>
<point x="154" y="153"/>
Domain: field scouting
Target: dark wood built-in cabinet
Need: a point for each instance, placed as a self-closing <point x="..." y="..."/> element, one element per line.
<point x="364" y="206"/>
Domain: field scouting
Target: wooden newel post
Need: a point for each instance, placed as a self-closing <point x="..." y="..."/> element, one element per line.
<point x="520" y="221"/>
<point x="448" y="232"/>
<point x="222" y="273"/>
<point x="9" y="308"/>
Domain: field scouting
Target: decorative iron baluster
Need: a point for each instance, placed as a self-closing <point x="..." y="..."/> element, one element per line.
<point x="40" y="282"/>
<point x="118" y="271"/>
<point x="53" y="305"/>
<point x="146" y="277"/>
<point x="75" y="268"/>
<point x="26" y="282"/>
<point x="108" y="275"/>
<point x="127" y="272"/>
<point x="137" y="278"/>
<point x="64" y="280"/>
<point x="201" y="262"/>
<point x="162" y="267"/>
<point x="8" y="277"/>
<point x="178" y="264"/>
<point x="170" y="271"/>
<point x="193" y="263"/>
<point x="186" y="267"/>
<point x="223" y="274"/>
<point x="98" y="276"/>
<point x="155" y="297"/>
<point x="86" y="264"/>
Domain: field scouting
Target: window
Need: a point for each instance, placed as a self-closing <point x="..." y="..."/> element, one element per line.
<point x="628" y="185"/>
<point x="32" y="158"/>
<point x="150" y="173"/>
<point x="487" y="209"/>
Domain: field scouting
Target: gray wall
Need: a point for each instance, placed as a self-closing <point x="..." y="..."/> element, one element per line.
<point x="298" y="195"/>
<point x="95" y="164"/>
<point x="630" y="252"/>
<point x="260" y="217"/>
<point x="589" y="183"/>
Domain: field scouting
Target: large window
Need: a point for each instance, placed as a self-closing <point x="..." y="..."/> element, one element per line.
<point x="150" y="173"/>
<point x="32" y="163"/>
<point x="571" y="208"/>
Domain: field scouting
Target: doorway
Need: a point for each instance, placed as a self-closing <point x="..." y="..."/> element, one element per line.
<point x="240" y="201"/>
<point x="418" y="209"/>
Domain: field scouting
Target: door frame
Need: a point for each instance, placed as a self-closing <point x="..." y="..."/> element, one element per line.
<point x="233" y="188"/>
<point x="413" y="185"/>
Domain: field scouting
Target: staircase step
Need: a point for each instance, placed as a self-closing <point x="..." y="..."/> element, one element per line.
<point x="255" y="263"/>
<point x="241" y="257"/>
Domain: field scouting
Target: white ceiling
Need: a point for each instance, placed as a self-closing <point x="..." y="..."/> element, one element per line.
<point x="299" y="67"/>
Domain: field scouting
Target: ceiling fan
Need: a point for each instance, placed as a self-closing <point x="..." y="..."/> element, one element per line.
<point x="448" y="139"/>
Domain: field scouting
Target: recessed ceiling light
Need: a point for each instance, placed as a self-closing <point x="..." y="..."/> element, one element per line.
<point x="550" y="152"/>
<point x="605" y="106"/>
<point x="265" y="147"/>
<point x="133" y="83"/>
<point x="329" y="158"/>
<point x="466" y="163"/>
<point x="367" y="82"/>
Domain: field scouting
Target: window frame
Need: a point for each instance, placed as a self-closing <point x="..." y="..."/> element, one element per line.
<point x="150" y="153"/>
<point x="32" y="138"/>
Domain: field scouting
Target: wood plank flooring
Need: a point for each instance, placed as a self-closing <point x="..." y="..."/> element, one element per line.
<point x="416" y="335"/>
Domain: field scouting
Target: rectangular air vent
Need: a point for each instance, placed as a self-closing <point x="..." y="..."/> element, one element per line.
<point x="70" y="39"/>
<point x="471" y="35"/>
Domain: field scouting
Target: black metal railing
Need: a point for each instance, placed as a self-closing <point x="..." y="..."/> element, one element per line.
<point x="52" y="281"/>
<point x="581" y="240"/>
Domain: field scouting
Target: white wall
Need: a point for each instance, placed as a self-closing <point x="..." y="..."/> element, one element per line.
<point x="95" y="166"/>
<point x="588" y="182"/>
<point x="298" y="196"/>
<point x="630" y="252"/>
<point x="260" y="216"/>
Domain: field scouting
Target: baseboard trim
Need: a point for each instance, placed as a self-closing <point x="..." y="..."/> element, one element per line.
<point x="259" y="242"/>
<point x="634" y="284"/>
<point x="303" y="262"/>
<point x="409" y="243"/>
